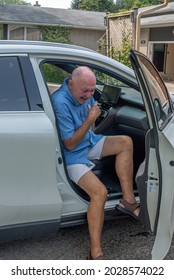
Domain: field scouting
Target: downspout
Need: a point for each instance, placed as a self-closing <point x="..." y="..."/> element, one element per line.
<point x="139" y="15"/>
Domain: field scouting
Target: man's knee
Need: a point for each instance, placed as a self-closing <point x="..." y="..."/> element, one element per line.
<point x="93" y="186"/>
<point x="100" y="192"/>
<point x="128" y="141"/>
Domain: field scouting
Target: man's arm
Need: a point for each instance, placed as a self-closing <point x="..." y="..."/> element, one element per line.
<point x="80" y="133"/>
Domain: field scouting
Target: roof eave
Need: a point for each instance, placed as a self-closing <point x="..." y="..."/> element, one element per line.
<point x="48" y="24"/>
<point x="156" y="25"/>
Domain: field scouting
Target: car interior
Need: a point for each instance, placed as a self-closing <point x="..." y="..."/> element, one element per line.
<point x="122" y="113"/>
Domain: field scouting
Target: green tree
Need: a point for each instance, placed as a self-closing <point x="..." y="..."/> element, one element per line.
<point x="122" y="54"/>
<point x="129" y="4"/>
<point x="145" y="3"/>
<point x="15" y="2"/>
<point x="75" y="4"/>
<point x="57" y="34"/>
<point x="94" y="5"/>
<point x="112" y="5"/>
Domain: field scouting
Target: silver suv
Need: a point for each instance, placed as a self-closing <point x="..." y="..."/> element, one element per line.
<point x="37" y="196"/>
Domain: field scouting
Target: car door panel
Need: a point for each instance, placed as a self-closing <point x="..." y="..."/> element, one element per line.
<point x="165" y="225"/>
<point x="159" y="160"/>
<point x="28" y="171"/>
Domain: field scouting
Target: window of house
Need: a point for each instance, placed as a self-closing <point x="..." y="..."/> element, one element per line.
<point x="24" y="33"/>
<point x="33" y="34"/>
<point x="17" y="33"/>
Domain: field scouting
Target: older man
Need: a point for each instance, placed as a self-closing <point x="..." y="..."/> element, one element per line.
<point x="77" y="112"/>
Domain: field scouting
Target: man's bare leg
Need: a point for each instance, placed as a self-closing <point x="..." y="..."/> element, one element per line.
<point x="95" y="215"/>
<point x="122" y="147"/>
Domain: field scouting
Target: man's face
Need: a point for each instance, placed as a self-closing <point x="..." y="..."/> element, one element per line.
<point x="83" y="88"/>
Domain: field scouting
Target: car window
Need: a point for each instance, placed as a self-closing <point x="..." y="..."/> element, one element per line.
<point x="158" y="91"/>
<point x="109" y="87"/>
<point x="54" y="76"/>
<point x="12" y="91"/>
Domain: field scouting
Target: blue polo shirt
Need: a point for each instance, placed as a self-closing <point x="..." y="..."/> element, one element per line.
<point x="70" y="115"/>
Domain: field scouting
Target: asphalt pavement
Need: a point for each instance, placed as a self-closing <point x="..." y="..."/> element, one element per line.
<point x="122" y="239"/>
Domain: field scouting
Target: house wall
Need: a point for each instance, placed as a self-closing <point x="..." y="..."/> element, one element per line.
<point x="165" y="36"/>
<point x="144" y="39"/>
<point x="158" y="34"/>
<point x="170" y="61"/>
<point x="117" y="26"/>
<point x="170" y="58"/>
<point x="86" y="38"/>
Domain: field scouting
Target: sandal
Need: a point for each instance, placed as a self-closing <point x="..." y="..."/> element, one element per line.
<point x="97" y="258"/>
<point x="128" y="208"/>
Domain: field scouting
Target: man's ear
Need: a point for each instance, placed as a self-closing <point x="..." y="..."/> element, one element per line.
<point x="70" y="84"/>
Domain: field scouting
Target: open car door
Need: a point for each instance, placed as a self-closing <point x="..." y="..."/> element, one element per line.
<point x="155" y="180"/>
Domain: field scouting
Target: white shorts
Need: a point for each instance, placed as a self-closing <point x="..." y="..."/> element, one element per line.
<point x="76" y="171"/>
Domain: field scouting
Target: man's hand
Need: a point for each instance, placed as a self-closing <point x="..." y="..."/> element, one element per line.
<point x="80" y="133"/>
<point x="94" y="112"/>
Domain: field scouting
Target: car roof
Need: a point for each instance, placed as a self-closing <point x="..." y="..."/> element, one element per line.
<point x="49" y="48"/>
<point x="39" y="44"/>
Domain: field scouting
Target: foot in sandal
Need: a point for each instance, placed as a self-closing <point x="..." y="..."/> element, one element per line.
<point x="131" y="209"/>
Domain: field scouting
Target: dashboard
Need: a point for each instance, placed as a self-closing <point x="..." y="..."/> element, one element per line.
<point x="120" y="105"/>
